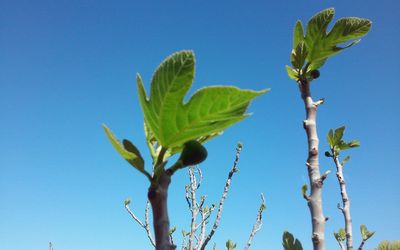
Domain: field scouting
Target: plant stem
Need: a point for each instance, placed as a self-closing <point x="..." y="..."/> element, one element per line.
<point x="362" y="244"/>
<point x="346" y="204"/>
<point x="158" y="198"/>
<point x="316" y="180"/>
<point x="223" y="197"/>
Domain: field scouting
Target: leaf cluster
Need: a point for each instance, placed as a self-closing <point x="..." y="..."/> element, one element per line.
<point x="336" y="143"/>
<point x="171" y="125"/>
<point x="290" y="243"/>
<point x="230" y="245"/>
<point x="313" y="47"/>
<point x="365" y="234"/>
<point x="387" y="245"/>
<point x="340" y="235"/>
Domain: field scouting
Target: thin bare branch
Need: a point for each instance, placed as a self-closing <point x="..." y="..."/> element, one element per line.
<point x="257" y="225"/>
<point x="224" y="195"/>
<point x="144" y="225"/>
<point x="194" y="208"/>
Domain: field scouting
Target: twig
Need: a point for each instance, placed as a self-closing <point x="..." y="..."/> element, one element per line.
<point x="346" y="204"/>
<point x="224" y="195"/>
<point x="362" y="244"/>
<point x="146" y="224"/>
<point x="194" y="207"/>
<point x="257" y="225"/>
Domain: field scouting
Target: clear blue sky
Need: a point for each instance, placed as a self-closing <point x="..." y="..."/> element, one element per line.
<point x="66" y="67"/>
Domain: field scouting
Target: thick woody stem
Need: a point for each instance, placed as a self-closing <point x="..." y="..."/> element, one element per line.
<point x="224" y="195"/>
<point x="158" y="198"/>
<point x="346" y="204"/>
<point x="315" y="199"/>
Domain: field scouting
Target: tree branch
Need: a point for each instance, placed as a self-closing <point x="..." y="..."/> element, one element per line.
<point x="224" y="195"/>
<point x="257" y="225"/>
<point x="316" y="180"/>
<point x="346" y="203"/>
<point x="145" y="225"/>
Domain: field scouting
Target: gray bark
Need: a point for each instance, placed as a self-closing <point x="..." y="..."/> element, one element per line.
<point x="316" y="180"/>
<point x="346" y="204"/>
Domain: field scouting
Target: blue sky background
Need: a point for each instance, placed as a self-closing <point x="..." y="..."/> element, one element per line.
<point x="66" y="67"/>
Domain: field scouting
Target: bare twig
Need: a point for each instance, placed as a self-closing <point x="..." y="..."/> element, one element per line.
<point x="194" y="207"/>
<point x="257" y="225"/>
<point x="346" y="204"/>
<point x="362" y="244"/>
<point x="224" y="195"/>
<point x="144" y="225"/>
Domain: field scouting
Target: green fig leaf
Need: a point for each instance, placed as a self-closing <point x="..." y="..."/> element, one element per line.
<point x="298" y="34"/>
<point x="292" y="73"/>
<point x="289" y="243"/>
<point x="209" y="111"/>
<point x="127" y="150"/>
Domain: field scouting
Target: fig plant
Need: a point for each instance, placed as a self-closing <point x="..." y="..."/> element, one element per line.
<point x="172" y="127"/>
<point x="336" y="145"/>
<point x="311" y="49"/>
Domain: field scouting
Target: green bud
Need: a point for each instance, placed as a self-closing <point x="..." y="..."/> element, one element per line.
<point x="193" y="153"/>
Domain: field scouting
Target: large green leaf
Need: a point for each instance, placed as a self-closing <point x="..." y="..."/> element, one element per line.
<point x="321" y="45"/>
<point x="209" y="111"/>
<point x="127" y="150"/>
<point x="289" y="243"/>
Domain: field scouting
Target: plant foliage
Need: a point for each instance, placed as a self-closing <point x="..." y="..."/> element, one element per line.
<point x="290" y="243"/>
<point x="313" y="47"/>
<point x="336" y="142"/>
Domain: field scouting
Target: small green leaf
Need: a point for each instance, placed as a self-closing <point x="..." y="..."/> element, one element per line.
<point x="128" y="151"/>
<point x="331" y="138"/>
<point x="289" y="243"/>
<point x="298" y="56"/>
<point x="127" y="201"/>
<point x="365" y="234"/>
<point x="172" y="230"/>
<point x="230" y="245"/>
<point x="345" y="160"/>
<point x="210" y="110"/>
<point x="354" y="144"/>
<point x="304" y="189"/>
<point x="338" y="135"/>
<point x="292" y="73"/>
<point x="340" y="236"/>
<point x="298" y="34"/>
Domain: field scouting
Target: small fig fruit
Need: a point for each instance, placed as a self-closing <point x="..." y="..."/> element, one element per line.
<point x="315" y="73"/>
<point x="193" y="153"/>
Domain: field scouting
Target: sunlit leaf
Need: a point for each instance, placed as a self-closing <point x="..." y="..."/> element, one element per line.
<point x="128" y="151"/>
<point x="210" y="110"/>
